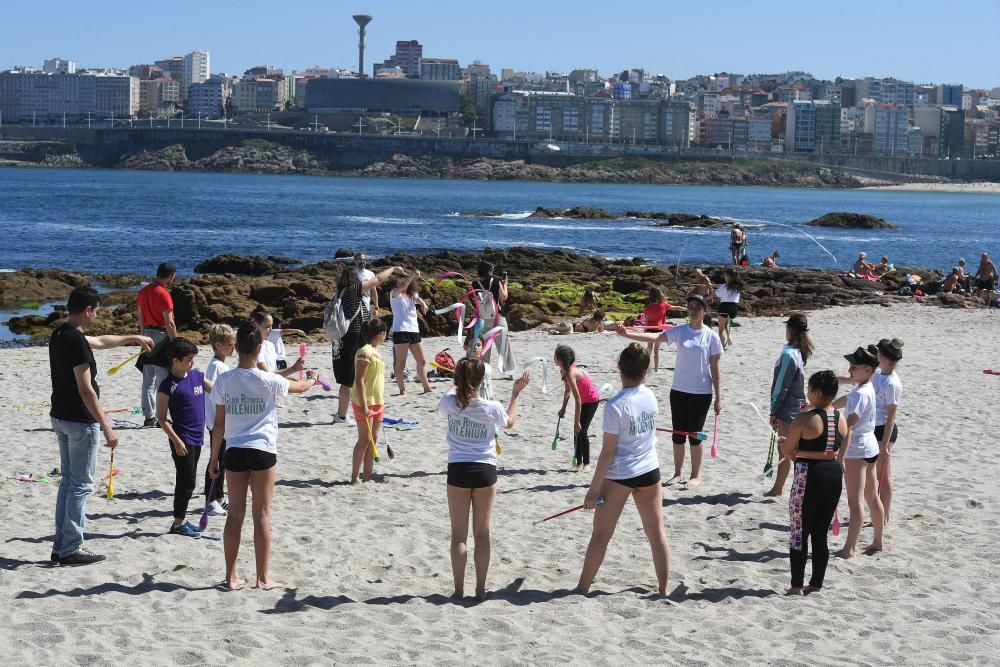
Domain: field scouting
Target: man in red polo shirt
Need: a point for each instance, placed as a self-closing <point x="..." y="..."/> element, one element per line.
<point x="156" y="320"/>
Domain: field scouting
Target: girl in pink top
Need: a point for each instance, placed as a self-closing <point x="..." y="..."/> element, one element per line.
<point x="585" y="398"/>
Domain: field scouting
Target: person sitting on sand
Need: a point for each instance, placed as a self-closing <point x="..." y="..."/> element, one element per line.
<point x="627" y="467"/>
<point x="771" y="261"/>
<point x="246" y="416"/>
<point x="696" y="374"/>
<point x="951" y="282"/>
<point x="964" y="279"/>
<point x="859" y="457"/>
<point x="593" y="324"/>
<point x="472" y="466"/>
<point x="813" y="440"/>
<point x="588" y="303"/>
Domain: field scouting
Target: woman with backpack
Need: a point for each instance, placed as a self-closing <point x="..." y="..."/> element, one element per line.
<point x="490" y="295"/>
<point x="348" y="302"/>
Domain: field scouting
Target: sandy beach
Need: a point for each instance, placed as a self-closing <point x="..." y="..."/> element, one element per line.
<point x="971" y="188"/>
<point x="366" y="572"/>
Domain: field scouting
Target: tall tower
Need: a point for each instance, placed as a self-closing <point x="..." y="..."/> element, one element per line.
<point x="362" y="20"/>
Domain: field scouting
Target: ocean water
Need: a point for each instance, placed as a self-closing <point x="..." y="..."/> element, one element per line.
<point x="121" y="221"/>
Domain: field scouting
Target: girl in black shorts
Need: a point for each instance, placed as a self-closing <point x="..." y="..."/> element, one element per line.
<point x="472" y="465"/>
<point x="245" y="415"/>
<point x="628" y="467"/>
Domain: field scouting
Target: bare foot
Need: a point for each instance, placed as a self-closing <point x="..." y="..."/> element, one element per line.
<point x="844" y="553"/>
<point x="266" y="583"/>
<point x="873" y="549"/>
<point x="355" y="480"/>
<point x="694" y="482"/>
<point x="586" y="467"/>
<point x="401" y="392"/>
<point x="676" y="479"/>
<point x="774" y="493"/>
<point x="427" y="390"/>
<point x="811" y="589"/>
<point x="235" y="584"/>
<point x="794" y="590"/>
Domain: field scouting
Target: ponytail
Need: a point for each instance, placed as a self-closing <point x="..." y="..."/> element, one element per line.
<point x="371" y="329"/>
<point x="469" y="374"/>
<point x="801" y="340"/>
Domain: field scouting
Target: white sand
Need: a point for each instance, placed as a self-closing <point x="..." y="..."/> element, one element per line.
<point x="367" y="568"/>
<point x="983" y="187"/>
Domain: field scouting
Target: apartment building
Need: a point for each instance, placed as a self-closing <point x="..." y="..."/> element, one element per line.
<point x="195" y="70"/>
<point x="27" y="95"/>
<point x="888" y="125"/>
<point x="440" y="69"/>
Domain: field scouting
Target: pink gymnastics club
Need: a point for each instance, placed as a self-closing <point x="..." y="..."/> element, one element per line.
<point x="302" y="356"/>
<point x="323" y="383"/>
<point x="715" y="438"/>
<point x="990" y="372"/>
<point x="835" y="526"/>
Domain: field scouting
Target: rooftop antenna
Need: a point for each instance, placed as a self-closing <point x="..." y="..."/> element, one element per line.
<point x="362" y="20"/>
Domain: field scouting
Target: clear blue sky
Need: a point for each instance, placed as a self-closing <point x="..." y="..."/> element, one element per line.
<point x="918" y="40"/>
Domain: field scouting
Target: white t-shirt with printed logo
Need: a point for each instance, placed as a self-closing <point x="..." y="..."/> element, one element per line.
<point x="249" y="396"/>
<point x="695" y="348"/>
<point x="212" y="373"/>
<point x="631" y="415"/>
<point x="471" y="430"/>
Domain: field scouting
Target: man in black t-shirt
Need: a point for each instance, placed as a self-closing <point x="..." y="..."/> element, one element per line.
<point x="78" y="419"/>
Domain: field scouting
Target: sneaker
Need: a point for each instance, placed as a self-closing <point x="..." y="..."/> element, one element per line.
<point x="151" y="423"/>
<point x="53" y="557"/>
<point x="81" y="557"/>
<point x="216" y="509"/>
<point x="185" y="529"/>
<point x="225" y="504"/>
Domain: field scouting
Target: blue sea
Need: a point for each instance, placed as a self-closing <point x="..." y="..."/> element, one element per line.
<point x="122" y="221"/>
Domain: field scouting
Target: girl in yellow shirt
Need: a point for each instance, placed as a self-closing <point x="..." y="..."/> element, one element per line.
<point x="366" y="397"/>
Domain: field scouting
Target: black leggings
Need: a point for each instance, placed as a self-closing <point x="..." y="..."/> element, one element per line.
<point x="688" y="413"/>
<point x="581" y="451"/>
<point x="184" y="481"/>
<point x="815" y="494"/>
<point x="218" y="492"/>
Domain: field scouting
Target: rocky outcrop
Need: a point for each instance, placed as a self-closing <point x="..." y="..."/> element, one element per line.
<point x="545" y="288"/>
<point x="678" y="219"/>
<point x="255" y="156"/>
<point x="238" y="264"/>
<point x="575" y="213"/>
<point x="851" y="221"/>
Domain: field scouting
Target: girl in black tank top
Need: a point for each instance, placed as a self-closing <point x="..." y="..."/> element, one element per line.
<point x="817" y="484"/>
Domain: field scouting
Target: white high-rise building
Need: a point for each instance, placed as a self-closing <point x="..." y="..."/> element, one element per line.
<point x="196" y="70"/>
<point x="59" y="66"/>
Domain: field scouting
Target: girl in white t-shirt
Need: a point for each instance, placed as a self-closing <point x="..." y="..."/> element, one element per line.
<point x="472" y="466"/>
<point x="861" y="453"/>
<point x="405" y="299"/>
<point x="696" y="374"/>
<point x="888" y="391"/>
<point x="245" y="417"/>
<point x="277" y="339"/>
<point x="267" y="361"/>
<point x="728" y="295"/>
<point x="628" y="467"/>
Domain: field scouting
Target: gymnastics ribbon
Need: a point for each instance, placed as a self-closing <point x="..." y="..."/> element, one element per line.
<point x="715" y="438"/>
<point x="489" y="337"/>
<point x="477" y="331"/>
<point x="459" y="315"/>
<point x="774" y="438"/>
<point x="533" y="361"/>
<point x="600" y="501"/>
<point x="451" y="274"/>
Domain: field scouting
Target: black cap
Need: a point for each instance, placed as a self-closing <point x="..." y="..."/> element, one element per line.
<point x="862" y="357"/>
<point x="893" y="349"/>
<point x="798" y="322"/>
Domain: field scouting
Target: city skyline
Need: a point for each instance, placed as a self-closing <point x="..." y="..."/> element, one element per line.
<point x="865" y="39"/>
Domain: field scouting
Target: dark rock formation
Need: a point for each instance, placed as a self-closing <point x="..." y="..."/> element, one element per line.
<point x="238" y="264"/>
<point x="678" y="219"/>
<point x="575" y="213"/>
<point x="850" y="221"/>
<point x="343" y="252"/>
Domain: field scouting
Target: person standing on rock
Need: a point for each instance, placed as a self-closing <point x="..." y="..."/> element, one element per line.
<point x="737" y="242"/>
<point x="78" y="419"/>
<point x="352" y="301"/>
<point x="492" y="310"/>
<point x="156" y="320"/>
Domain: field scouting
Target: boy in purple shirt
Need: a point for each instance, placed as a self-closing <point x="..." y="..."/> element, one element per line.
<point x="183" y="394"/>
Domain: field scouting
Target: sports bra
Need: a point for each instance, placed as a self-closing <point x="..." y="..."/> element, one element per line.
<point x="827" y="441"/>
